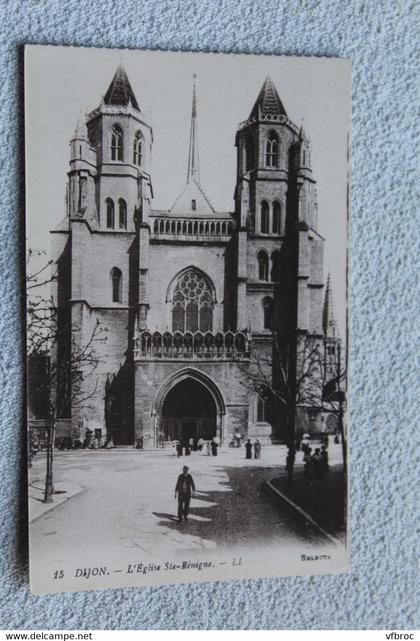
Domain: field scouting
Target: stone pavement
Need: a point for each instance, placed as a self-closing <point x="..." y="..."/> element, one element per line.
<point x="125" y="500"/>
<point x="324" y="500"/>
<point x="65" y="489"/>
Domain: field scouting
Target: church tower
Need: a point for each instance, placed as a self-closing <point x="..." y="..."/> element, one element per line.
<point x="262" y="202"/>
<point x="122" y="138"/>
<point x="108" y="202"/>
<point x="279" y="250"/>
<point x="332" y="341"/>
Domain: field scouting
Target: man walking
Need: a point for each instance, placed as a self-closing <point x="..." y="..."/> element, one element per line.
<point x="184" y="487"/>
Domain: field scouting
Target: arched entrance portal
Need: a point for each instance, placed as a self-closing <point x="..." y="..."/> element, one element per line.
<point x="189" y="411"/>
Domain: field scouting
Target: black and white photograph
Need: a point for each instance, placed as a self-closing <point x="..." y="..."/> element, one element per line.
<point x="187" y="308"/>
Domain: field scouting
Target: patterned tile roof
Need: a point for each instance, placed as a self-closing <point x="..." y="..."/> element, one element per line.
<point x="120" y="91"/>
<point x="268" y="102"/>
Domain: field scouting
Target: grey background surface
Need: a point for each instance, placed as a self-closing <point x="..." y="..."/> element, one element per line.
<point x="380" y="37"/>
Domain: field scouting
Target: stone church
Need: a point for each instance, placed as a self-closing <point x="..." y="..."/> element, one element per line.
<point x="187" y="295"/>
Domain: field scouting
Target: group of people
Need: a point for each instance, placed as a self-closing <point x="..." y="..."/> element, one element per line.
<point x="256" y="446"/>
<point x="95" y="443"/>
<point x="315" y="463"/>
<point x="197" y="445"/>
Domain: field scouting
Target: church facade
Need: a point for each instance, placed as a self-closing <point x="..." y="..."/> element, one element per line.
<point x="188" y="296"/>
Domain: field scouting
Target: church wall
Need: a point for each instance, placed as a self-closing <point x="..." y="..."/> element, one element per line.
<point x="110" y="350"/>
<point x="93" y="257"/>
<point x="310" y="299"/>
<point x="166" y="261"/>
<point x="254" y="246"/>
<point x="270" y="190"/>
<point x="116" y="186"/>
<point x="60" y="246"/>
<point x="315" y="311"/>
<point x="255" y="310"/>
<point x="105" y="251"/>
<point x="285" y="137"/>
<point x="81" y="268"/>
<point x="316" y="259"/>
<point x="128" y="127"/>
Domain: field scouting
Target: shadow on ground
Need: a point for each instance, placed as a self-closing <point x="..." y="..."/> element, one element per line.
<point x="239" y="512"/>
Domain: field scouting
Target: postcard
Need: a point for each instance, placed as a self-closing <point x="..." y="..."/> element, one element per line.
<point x="187" y="230"/>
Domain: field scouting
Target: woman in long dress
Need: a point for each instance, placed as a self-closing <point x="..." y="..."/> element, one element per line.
<point x="248" y="448"/>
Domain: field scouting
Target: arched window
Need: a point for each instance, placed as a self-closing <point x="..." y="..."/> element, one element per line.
<point x="110" y="222"/>
<point x="261" y="410"/>
<point x="249" y="154"/>
<point x="271" y="150"/>
<point x="192" y="303"/>
<point x="122" y="213"/>
<point x="275" y="266"/>
<point x="265" y="218"/>
<point x="262" y="265"/>
<point x="116" y="277"/>
<point x="267" y="308"/>
<point x="276" y="217"/>
<point x="116" y="143"/>
<point x="137" y="148"/>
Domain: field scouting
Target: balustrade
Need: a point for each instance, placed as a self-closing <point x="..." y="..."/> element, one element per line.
<point x="191" y="227"/>
<point x="187" y="345"/>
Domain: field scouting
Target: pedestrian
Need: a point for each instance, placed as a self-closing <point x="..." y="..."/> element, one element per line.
<point x="257" y="449"/>
<point x="290" y="461"/>
<point x="178" y="449"/>
<point x="316" y="463"/>
<point x="208" y="448"/>
<point x="214" y="446"/>
<point x="183" y="489"/>
<point x="200" y="444"/>
<point x="248" y="448"/>
<point x="307" y="463"/>
<point x="238" y="437"/>
<point x="324" y="460"/>
<point x="191" y="444"/>
<point x="187" y="448"/>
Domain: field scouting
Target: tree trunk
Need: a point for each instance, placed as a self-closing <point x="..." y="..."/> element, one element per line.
<point x="49" y="487"/>
<point x="291" y="450"/>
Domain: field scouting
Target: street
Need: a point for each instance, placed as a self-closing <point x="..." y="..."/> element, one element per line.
<point x="121" y="505"/>
<point x="127" y="499"/>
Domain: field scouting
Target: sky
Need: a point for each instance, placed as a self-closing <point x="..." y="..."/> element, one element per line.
<point x="63" y="83"/>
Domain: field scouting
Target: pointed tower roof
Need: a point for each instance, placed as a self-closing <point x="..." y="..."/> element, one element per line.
<point x="81" y="132"/>
<point x="302" y="132"/>
<point x="119" y="91"/>
<point x="268" y="102"/>
<point x="329" y="324"/>
<point x="193" y="171"/>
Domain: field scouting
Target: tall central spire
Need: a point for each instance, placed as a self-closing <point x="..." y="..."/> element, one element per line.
<point x="193" y="172"/>
<point x="329" y="323"/>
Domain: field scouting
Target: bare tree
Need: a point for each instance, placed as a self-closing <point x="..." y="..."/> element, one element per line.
<point x="334" y="383"/>
<point x="294" y="373"/>
<point x="69" y="360"/>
